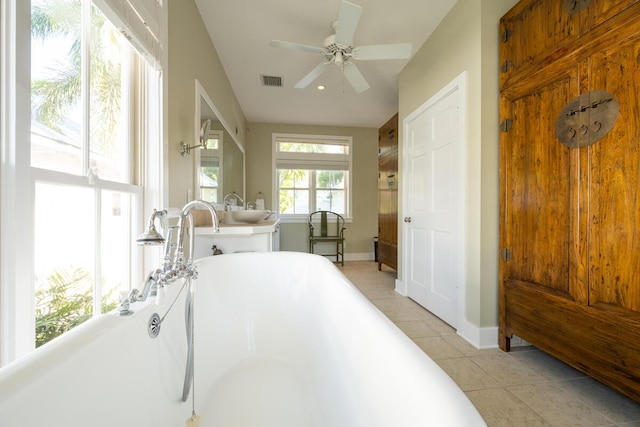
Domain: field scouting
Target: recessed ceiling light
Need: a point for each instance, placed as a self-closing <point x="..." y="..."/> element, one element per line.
<point x="320" y="87"/>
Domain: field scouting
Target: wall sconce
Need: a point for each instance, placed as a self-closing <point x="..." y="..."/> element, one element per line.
<point x="204" y="136"/>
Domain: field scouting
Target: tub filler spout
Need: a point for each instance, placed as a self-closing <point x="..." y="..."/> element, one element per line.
<point x="186" y="214"/>
<point x="175" y="265"/>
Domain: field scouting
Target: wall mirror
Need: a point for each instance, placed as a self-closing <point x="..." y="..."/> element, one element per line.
<point x="219" y="168"/>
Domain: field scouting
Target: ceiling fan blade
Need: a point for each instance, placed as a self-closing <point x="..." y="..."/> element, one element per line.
<point x="355" y="77"/>
<point x="347" y="22"/>
<point x="314" y="74"/>
<point x="296" y="46"/>
<point x="384" y="51"/>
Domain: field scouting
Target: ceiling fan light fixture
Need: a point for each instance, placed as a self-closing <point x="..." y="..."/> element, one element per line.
<point x="338" y="58"/>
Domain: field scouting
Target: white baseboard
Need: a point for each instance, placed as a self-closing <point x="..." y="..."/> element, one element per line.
<point x="481" y="338"/>
<point x="359" y="256"/>
<point x="401" y="288"/>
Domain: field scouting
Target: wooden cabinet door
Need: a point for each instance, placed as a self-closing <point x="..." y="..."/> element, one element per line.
<point x="532" y="30"/>
<point x="570" y="217"/>
<point x="388" y="193"/>
<point x="540" y="184"/>
<point x="536" y="33"/>
<point x="614" y="184"/>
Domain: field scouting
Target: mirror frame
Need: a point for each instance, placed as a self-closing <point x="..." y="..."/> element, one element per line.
<point x="202" y="95"/>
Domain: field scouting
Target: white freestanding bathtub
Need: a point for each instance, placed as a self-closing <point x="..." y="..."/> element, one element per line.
<point x="281" y="339"/>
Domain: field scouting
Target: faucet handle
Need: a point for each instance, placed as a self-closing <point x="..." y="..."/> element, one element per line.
<point x="134" y="294"/>
<point x="124" y="304"/>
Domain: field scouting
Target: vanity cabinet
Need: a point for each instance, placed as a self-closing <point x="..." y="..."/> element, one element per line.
<point x="570" y="193"/>
<point x="232" y="238"/>
<point x="388" y="194"/>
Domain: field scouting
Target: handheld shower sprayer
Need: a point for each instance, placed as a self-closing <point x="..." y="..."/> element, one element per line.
<point x="151" y="236"/>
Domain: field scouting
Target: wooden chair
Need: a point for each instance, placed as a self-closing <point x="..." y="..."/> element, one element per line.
<point x="326" y="226"/>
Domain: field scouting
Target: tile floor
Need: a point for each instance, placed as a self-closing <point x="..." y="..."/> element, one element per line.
<point x="525" y="387"/>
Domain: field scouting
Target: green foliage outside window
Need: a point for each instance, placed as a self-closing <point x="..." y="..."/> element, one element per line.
<point x="211" y="172"/>
<point x="64" y="301"/>
<point x="294" y="182"/>
<point x="55" y="95"/>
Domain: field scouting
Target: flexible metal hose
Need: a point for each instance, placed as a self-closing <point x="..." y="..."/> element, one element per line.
<point x="188" y="319"/>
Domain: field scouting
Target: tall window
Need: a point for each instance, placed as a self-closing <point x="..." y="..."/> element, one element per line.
<point x="92" y="98"/>
<point x="209" y="176"/>
<point x="311" y="173"/>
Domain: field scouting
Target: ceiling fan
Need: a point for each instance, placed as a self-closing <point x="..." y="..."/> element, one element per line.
<point x="338" y="49"/>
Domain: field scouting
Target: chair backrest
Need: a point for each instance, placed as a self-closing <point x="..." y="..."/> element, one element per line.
<point x="326" y="224"/>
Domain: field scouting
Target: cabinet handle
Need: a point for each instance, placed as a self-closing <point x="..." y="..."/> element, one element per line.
<point x="407" y="219"/>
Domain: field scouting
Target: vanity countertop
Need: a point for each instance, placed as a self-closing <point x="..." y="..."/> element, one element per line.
<point x="267" y="226"/>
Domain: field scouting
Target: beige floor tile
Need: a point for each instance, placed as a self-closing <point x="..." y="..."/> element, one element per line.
<point x="375" y="292"/>
<point x="507" y="370"/>
<point x="467" y="374"/>
<point x="467" y="349"/>
<point x="439" y="326"/>
<point x="416" y="329"/>
<point x="501" y="408"/>
<point x="393" y="304"/>
<point x="609" y="402"/>
<point x="398" y="310"/>
<point x="438" y="348"/>
<point x="559" y="407"/>
<point x="546" y="365"/>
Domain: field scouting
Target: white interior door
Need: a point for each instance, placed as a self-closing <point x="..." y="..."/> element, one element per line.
<point x="434" y="198"/>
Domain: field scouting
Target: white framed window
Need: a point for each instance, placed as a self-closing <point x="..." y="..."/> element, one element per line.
<point x="311" y="172"/>
<point x="85" y="131"/>
<point x="210" y="161"/>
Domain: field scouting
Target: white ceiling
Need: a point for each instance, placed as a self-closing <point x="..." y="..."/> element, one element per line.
<point x="242" y="29"/>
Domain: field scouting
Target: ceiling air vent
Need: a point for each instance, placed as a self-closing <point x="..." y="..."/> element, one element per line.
<point x="274" y="81"/>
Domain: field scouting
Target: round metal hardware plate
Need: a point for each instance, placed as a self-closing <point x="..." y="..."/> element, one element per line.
<point x="587" y="119"/>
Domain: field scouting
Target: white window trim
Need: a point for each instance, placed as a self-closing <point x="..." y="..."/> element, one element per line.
<point x="276" y="155"/>
<point x="16" y="215"/>
<point x="17" y="305"/>
<point x="142" y="23"/>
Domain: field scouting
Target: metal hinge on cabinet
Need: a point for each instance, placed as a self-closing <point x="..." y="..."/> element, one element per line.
<point x="506" y="125"/>
<point x="506" y="66"/>
<point x="506" y="254"/>
<point x="506" y="35"/>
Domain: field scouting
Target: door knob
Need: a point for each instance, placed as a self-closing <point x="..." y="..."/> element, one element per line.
<point x="407" y="219"/>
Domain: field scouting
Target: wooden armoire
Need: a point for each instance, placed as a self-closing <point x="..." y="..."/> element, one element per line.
<point x="388" y="194"/>
<point x="570" y="184"/>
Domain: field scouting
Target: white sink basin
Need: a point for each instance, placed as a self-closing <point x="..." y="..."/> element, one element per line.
<point x="246" y="216"/>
